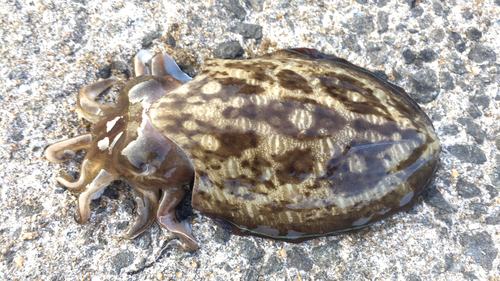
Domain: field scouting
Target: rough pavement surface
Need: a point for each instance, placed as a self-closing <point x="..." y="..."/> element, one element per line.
<point x="445" y="53"/>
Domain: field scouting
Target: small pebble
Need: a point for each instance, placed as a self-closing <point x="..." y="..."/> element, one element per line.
<point x="178" y="274"/>
<point x="29" y="235"/>
<point x="19" y="261"/>
<point x="67" y="50"/>
<point x="282" y="253"/>
<point x="476" y="70"/>
<point x="159" y="276"/>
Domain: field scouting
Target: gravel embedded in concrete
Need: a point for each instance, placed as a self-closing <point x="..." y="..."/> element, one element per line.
<point x="444" y="53"/>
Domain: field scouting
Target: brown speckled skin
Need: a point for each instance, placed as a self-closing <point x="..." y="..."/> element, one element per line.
<point x="295" y="144"/>
<point x="292" y="145"/>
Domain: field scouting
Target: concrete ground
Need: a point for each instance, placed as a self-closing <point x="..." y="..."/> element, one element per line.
<point x="445" y="53"/>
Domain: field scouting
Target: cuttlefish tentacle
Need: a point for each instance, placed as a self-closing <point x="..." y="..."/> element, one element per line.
<point x="158" y="65"/>
<point x="147" y="205"/>
<point x="100" y="179"/>
<point x="140" y="61"/>
<point x="163" y="65"/>
<point x="66" y="149"/>
<point x="93" y="179"/>
<point x="88" y="108"/>
<point x="76" y="186"/>
<point x="171" y="197"/>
